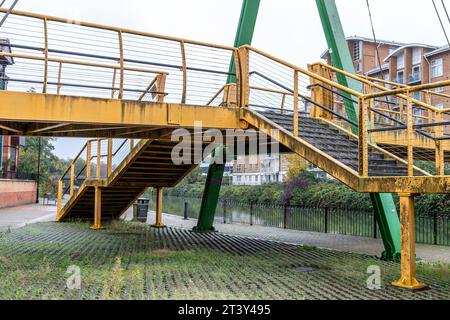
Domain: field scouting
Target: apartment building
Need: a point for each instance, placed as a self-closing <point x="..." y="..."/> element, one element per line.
<point x="364" y="52"/>
<point x="260" y="169"/>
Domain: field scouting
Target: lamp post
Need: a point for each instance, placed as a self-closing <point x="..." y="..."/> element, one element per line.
<point x="38" y="170"/>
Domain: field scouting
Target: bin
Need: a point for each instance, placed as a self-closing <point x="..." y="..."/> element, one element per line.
<point x="140" y="210"/>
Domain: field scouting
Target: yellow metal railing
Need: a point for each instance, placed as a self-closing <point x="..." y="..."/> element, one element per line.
<point x="97" y="160"/>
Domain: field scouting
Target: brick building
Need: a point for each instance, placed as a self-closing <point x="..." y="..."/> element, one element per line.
<point x="259" y="169"/>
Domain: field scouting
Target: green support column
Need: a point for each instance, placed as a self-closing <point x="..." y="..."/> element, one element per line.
<point x="245" y="31"/>
<point x="384" y="206"/>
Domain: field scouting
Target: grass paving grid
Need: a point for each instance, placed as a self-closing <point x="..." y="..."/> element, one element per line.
<point x="133" y="261"/>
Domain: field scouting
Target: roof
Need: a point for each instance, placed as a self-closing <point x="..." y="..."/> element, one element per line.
<point x="376" y="70"/>
<point x="438" y="51"/>
<point x="398" y="51"/>
<point x="359" y="38"/>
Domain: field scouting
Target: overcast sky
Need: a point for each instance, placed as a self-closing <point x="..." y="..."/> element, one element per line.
<point x="289" y="29"/>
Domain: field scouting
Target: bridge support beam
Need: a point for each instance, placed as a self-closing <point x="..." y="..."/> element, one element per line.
<point x="159" y="209"/>
<point x="383" y="204"/>
<point x="245" y="31"/>
<point x="97" y="209"/>
<point x="408" y="253"/>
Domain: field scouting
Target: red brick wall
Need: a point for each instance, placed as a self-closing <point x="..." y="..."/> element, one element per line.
<point x="14" y="193"/>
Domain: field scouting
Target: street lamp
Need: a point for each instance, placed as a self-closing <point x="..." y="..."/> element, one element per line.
<point x="38" y="170"/>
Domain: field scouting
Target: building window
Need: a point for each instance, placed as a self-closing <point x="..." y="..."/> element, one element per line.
<point x="401" y="61"/>
<point x="439" y="90"/>
<point x="391" y="50"/>
<point x="357" y="46"/>
<point x="400" y="77"/>
<point x="359" y="67"/>
<point x="440" y="106"/>
<point x="437" y="68"/>
<point x="416" y="56"/>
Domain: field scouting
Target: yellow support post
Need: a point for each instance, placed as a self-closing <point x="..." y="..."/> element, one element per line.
<point x="363" y="152"/>
<point x="88" y="159"/>
<point x="131" y="144"/>
<point x="60" y="195"/>
<point x="295" y="117"/>
<point x="122" y="65"/>
<point x="99" y="158"/>
<point x="159" y="209"/>
<point x="440" y="164"/>
<point x="408" y="257"/>
<point x="72" y="179"/>
<point x="410" y="134"/>
<point x="97" y="209"/>
<point x="109" y="162"/>
<point x="319" y="94"/>
<point x="45" y="84"/>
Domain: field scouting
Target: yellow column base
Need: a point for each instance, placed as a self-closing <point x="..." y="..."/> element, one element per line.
<point x="411" y="284"/>
<point x="158" y="226"/>
<point x="94" y="227"/>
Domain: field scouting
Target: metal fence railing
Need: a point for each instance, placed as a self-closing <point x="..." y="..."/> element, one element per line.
<point x="433" y="229"/>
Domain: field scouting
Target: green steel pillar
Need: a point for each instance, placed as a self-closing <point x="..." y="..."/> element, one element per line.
<point x="245" y="31"/>
<point x="383" y="204"/>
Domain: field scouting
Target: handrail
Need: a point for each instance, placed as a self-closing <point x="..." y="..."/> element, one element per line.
<point x="116" y="29"/>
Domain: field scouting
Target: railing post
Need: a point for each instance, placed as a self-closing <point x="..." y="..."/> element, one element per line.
<point x="327" y="212"/>
<point x="58" y="87"/>
<point x="72" y="179"/>
<point x="243" y="77"/>
<point x="440" y="164"/>
<point x="183" y="60"/>
<point x="186" y="211"/>
<point x="60" y="196"/>
<point x="363" y="163"/>
<point x="161" y="87"/>
<point x="285" y="213"/>
<point x="122" y="65"/>
<point x="99" y="158"/>
<point x="131" y="144"/>
<point x="44" y="86"/>
<point x="159" y="208"/>
<point x="295" y="117"/>
<point x="319" y="94"/>
<point x="251" y="213"/>
<point x="410" y="134"/>
<point x="88" y="159"/>
<point x="97" y="209"/>
<point x="375" y="231"/>
<point x="109" y="162"/>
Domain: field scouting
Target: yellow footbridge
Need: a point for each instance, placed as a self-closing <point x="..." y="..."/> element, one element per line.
<point x="129" y="91"/>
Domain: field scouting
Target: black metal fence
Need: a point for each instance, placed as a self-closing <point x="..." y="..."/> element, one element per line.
<point x="434" y="229"/>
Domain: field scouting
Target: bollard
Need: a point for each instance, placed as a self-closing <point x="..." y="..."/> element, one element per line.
<point x="285" y="216"/>
<point x="326" y="219"/>
<point x="251" y="214"/>
<point x="186" y="211"/>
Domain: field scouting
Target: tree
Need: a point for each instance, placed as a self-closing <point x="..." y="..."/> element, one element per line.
<point x="51" y="167"/>
<point x="296" y="166"/>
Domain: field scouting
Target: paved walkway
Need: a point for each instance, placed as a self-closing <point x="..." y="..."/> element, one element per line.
<point x="20" y="216"/>
<point x="17" y="217"/>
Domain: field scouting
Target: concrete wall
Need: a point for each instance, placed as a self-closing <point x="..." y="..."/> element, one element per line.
<point x="16" y="192"/>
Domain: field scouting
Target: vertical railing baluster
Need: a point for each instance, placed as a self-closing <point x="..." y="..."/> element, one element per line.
<point x="295" y="117"/>
<point x="58" y="87"/>
<point x="122" y="65"/>
<point x="44" y="86"/>
<point x="72" y="178"/>
<point x="99" y="158"/>
<point x="184" y="64"/>
<point x="88" y="159"/>
<point x="409" y="134"/>
<point x="363" y="152"/>
<point x="109" y="158"/>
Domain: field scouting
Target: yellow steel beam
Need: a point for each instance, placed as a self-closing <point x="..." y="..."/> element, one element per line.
<point x="97" y="209"/>
<point x="159" y="208"/>
<point x="31" y="107"/>
<point x="408" y="257"/>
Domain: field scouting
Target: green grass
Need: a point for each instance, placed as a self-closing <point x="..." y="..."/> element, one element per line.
<point x="133" y="261"/>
